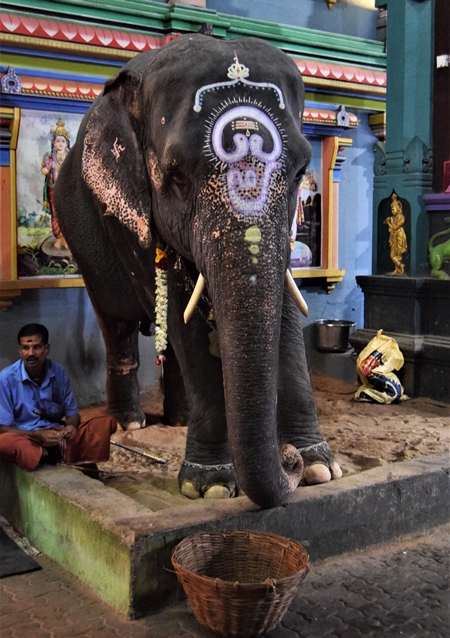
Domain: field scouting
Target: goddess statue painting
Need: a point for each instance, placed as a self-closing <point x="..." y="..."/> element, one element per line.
<point x="50" y="167"/>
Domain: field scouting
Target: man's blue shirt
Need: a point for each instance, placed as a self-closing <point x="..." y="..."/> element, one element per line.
<point x="26" y="405"/>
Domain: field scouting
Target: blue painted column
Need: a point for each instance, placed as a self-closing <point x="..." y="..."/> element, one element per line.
<point x="404" y="162"/>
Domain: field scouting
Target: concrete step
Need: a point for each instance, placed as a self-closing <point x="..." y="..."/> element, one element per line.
<point x="121" y="548"/>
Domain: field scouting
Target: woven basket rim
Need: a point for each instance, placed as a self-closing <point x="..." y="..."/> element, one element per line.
<point x="268" y="583"/>
<point x="238" y="532"/>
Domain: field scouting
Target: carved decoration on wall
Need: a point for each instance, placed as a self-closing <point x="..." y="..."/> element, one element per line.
<point x="11" y="82"/>
<point x="342" y="116"/>
<point x="380" y="159"/>
<point x="377" y="123"/>
<point x="417" y="157"/>
<point x="66" y="37"/>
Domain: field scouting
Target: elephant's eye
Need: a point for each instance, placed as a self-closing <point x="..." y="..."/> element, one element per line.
<point x="178" y="178"/>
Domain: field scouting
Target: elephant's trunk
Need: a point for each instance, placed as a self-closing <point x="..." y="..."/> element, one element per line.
<point x="247" y="305"/>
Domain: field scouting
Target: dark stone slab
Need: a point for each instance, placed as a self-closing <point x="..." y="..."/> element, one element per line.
<point x="13" y="560"/>
<point x="406" y="305"/>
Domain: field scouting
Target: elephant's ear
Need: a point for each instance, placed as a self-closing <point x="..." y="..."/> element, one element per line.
<point x="113" y="165"/>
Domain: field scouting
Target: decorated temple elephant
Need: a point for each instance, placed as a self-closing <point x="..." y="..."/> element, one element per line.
<point x="187" y="167"/>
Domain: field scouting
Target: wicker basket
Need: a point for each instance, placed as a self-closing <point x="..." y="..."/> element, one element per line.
<point x="239" y="583"/>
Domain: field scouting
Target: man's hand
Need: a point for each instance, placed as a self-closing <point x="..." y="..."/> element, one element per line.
<point x="47" y="438"/>
<point x="69" y="432"/>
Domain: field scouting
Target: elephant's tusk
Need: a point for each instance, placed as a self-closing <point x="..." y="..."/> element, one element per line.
<point x="295" y="293"/>
<point x="195" y="298"/>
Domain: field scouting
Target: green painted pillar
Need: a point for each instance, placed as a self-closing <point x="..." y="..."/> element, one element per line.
<point x="403" y="163"/>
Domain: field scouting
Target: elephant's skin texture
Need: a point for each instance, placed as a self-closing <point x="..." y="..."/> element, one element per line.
<point x="197" y="148"/>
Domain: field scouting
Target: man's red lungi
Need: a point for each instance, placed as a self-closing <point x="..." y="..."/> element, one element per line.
<point x="90" y="445"/>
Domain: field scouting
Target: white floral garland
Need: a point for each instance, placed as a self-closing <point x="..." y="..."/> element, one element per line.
<point x="161" y="305"/>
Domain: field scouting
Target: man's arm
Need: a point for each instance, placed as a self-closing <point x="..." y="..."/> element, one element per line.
<point x="70" y="429"/>
<point x="45" y="438"/>
<point x="73" y="420"/>
<point x="70" y="406"/>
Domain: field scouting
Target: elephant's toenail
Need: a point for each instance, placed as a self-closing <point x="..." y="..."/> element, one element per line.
<point x="188" y="489"/>
<point x="217" y="491"/>
<point x="336" y="472"/>
<point x="134" y="425"/>
<point x="317" y="473"/>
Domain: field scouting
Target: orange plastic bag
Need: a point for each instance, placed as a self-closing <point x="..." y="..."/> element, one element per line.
<point x="374" y="365"/>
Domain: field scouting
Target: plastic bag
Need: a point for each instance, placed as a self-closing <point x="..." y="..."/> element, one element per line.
<point x="374" y="365"/>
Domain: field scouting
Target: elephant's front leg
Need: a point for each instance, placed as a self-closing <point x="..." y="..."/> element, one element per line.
<point x="296" y="408"/>
<point x="122" y="362"/>
<point x="207" y="469"/>
<point x="175" y="405"/>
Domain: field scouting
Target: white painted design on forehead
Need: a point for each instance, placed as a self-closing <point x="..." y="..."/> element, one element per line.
<point x="246" y="189"/>
<point x="237" y="74"/>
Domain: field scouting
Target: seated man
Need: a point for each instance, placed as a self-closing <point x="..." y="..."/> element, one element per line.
<point x="35" y="397"/>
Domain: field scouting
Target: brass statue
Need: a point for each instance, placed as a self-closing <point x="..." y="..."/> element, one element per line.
<point x="397" y="237"/>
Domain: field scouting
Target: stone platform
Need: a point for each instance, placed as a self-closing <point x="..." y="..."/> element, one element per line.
<point x="121" y="549"/>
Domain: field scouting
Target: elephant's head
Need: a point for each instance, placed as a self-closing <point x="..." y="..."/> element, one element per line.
<point x="200" y="144"/>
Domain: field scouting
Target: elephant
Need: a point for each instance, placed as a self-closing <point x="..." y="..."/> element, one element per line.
<point x="187" y="166"/>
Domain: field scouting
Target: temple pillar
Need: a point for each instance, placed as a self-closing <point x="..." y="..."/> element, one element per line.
<point x="403" y="163"/>
<point x="401" y="297"/>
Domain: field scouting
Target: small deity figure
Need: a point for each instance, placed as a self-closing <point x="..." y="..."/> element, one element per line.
<point x="50" y="167"/>
<point x="397" y="237"/>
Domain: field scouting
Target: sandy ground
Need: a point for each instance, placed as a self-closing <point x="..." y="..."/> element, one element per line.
<point x="362" y="435"/>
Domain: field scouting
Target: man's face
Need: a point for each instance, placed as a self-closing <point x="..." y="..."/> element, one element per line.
<point x="33" y="352"/>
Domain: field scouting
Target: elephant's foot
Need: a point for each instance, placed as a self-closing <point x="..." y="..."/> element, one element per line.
<point x="134" y="425"/>
<point x="129" y="427"/>
<point x="320" y="466"/>
<point x="320" y="473"/>
<point x="129" y="420"/>
<point x="207" y="481"/>
<point x="215" y="491"/>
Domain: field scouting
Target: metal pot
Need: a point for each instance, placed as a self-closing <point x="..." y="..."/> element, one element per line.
<point x="331" y="335"/>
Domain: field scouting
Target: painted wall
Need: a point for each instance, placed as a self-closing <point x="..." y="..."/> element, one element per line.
<point x="75" y="336"/>
<point x="355" y="239"/>
<point x="350" y="17"/>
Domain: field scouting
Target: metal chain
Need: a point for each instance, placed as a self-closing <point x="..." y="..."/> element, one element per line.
<point x="225" y="466"/>
<point x="317" y="446"/>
